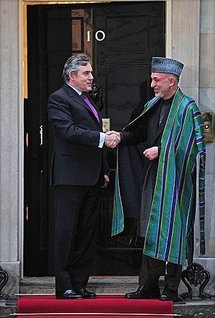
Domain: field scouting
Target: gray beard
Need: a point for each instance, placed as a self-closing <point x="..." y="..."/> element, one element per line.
<point x="161" y="95"/>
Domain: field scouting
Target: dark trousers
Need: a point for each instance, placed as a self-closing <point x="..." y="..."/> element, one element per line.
<point x="151" y="270"/>
<point x="75" y="235"/>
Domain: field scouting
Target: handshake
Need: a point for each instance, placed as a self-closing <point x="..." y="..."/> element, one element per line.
<point x="112" y="139"/>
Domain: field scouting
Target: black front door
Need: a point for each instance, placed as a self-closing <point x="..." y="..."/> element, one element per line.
<point x="127" y="35"/>
<point x="122" y="38"/>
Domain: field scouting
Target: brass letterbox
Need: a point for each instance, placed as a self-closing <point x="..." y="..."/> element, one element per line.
<point x="208" y="124"/>
<point x="105" y="124"/>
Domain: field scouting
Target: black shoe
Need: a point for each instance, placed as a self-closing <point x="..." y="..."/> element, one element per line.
<point x="144" y="293"/>
<point x="86" y="294"/>
<point x="69" y="294"/>
<point x="170" y="295"/>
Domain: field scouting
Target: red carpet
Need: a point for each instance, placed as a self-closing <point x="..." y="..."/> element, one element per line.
<point x="103" y="306"/>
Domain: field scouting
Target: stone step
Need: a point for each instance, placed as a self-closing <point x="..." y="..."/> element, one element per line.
<point x="107" y="285"/>
<point x="97" y="284"/>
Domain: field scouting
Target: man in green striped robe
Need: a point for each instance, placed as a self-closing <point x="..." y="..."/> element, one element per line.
<point x="170" y="130"/>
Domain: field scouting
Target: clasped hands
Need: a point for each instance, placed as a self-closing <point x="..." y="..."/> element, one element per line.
<point x="112" y="139"/>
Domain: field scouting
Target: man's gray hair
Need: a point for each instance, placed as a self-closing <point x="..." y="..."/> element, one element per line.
<point x="73" y="63"/>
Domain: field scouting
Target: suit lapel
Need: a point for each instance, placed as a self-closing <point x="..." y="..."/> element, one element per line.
<point x="90" y="111"/>
<point x="149" y="105"/>
<point x="76" y="97"/>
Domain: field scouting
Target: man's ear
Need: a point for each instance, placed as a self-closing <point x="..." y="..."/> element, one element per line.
<point x="71" y="75"/>
<point x="172" y="81"/>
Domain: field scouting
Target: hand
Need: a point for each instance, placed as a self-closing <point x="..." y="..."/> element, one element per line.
<point x="106" y="181"/>
<point x="151" y="153"/>
<point x="112" y="139"/>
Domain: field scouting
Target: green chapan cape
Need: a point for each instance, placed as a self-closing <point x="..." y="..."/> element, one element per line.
<point x="169" y="235"/>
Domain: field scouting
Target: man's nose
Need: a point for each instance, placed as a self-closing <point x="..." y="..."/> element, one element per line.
<point x="91" y="76"/>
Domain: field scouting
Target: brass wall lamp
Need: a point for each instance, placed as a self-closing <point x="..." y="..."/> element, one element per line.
<point x="208" y="123"/>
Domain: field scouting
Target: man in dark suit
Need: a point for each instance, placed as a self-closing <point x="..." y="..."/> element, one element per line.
<point x="78" y="170"/>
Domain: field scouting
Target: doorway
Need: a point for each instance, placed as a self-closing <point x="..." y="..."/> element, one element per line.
<point x="121" y="39"/>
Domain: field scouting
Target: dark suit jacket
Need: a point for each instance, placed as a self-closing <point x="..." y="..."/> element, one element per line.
<point x="77" y="160"/>
<point x="134" y="168"/>
<point x="145" y="129"/>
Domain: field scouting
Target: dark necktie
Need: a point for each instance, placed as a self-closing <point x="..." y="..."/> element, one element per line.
<point x="92" y="108"/>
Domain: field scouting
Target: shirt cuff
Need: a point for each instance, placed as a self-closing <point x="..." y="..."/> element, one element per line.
<point x="101" y="140"/>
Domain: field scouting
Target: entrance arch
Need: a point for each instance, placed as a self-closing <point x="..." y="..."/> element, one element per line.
<point x="121" y="60"/>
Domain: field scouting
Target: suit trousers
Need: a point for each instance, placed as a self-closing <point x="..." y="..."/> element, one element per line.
<point x="75" y="235"/>
<point x="151" y="270"/>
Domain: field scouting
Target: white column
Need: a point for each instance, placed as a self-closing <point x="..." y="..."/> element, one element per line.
<point x="192" y="42"/>
<point x="10" y="173"/>
<point x="185" y="42"/>
<point x="207" y="103"/>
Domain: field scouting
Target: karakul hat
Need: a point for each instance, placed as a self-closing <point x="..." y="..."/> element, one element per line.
<point x="166" y="65"/>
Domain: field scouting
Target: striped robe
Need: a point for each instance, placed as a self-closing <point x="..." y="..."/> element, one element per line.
<point x="169" y="235"/>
